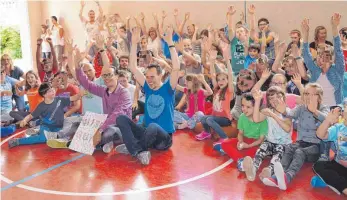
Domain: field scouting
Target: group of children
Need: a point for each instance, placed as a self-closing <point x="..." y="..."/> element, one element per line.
<point x="265" y="107"/>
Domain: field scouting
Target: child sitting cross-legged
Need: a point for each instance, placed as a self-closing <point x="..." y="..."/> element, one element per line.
<point x="194" y="96"/>
<point x="51" y="114"/>
<point x="250" y="136"/>
<point x="279" y="133"/>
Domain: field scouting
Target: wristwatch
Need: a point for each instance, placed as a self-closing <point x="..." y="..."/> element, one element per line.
<point x="298" y="58"/>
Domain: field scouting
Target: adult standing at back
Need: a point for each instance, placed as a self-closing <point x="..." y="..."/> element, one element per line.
<point x="92" y="26"/>
<point x="57" y="37"/>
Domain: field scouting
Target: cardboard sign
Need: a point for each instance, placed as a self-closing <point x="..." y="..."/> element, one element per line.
<point x="83" y="139"/>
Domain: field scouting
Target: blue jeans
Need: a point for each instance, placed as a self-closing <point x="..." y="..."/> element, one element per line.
<point x="215" y="123"/>
<point x="40" y="138"/>
<point x="20" y="105"/>
<point x="138" y="138"/>
<point x="179" y="118"/>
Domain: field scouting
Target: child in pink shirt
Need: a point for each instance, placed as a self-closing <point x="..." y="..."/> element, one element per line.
<point x="194" y="97"/>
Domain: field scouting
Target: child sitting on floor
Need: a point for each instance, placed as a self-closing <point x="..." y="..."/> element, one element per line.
<point x="250" y="136"/>
<point x="51" y="113"/>
<point x="279" y="133"/>
<point x="307" y="147"/>
<point x="334" y="173"/>
<point x="223" y="94"/>
<point x="194" y="96"/>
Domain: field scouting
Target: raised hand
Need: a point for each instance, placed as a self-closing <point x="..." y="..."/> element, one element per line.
<point x="135" y="38"/>
<point x="305" y="26"/>
<point x="175" y="12"/>
<point x="296" y="79"/>
<point x="187" y="16"/>
<point x="168" y="35"/>
<point x="141" y="16"/>
<point x="251" y="9"/>
<point x="99" y="41"/>
<point x="179" y="46"/>
<point x="78" y="58"/>
<point x="266" y="74"/>
<point x="163" y="14"/>
<point x="335" y="19"/>
<point x="257" y="95"/>
<point x="280" y="106"/>
<point x="231" y="10"/>
<point x="201" y="78"/>
<point x="333" y="116"/>
<point x="83" y="3"/>
<point x="276" y="37"/>
<point x="69" y="45"/>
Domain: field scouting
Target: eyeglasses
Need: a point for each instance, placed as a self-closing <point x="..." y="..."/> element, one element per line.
<point x="107" y="76"/>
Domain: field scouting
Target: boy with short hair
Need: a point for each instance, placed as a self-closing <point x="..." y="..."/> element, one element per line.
<point x="51" y="113"/>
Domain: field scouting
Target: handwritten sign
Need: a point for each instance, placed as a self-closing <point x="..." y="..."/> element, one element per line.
<point x="83" y="139"/>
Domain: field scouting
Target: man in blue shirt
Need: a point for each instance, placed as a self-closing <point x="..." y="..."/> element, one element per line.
<point x="158" y="120"/>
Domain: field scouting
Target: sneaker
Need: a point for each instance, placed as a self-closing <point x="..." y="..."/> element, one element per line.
<point x="13" y="142"/>
<point x="323" y="157"/>
<point x="183" y="125"/>
<point x="203" y="135"/>
<point x="249" y="168"/>
<point x="240" y="166"/>
<point x="107" y="148"/>
<point x="50" y="135"/>
<point x="32" y="131"/>
<point x="282" y="179"/>
<point x="57" y="143"/>
<point x="317" y="182"/>
<point x="265" y="173"/>
<point x="122" y="149"/>
<point x="144" y="157"/>
<point x="218" y="147"/>
<point x="272" y="181"/>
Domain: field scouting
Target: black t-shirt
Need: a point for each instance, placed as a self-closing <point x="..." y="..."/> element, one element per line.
<point x="314" y="46"/>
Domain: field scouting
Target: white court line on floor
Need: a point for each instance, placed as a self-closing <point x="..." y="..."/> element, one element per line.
<point x="222" y="166"/>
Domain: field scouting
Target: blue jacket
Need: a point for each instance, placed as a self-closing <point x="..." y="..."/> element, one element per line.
<point x="335" y="72"/>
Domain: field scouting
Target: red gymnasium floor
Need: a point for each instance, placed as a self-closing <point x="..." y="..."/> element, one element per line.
<point x="189" y="170"/>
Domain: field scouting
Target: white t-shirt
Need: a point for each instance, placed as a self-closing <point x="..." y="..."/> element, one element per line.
<point x="154" y="45"/>
<point x="276" y="134"/>
<point x="92" y="30"/>
<point x="56" y="39"/>
<point x="131" y="89"/>
<point x="329" y="90"/>
<point x="45" y="45"/>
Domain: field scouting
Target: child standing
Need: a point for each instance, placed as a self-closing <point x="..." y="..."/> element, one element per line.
<point x="51" y="113"/>
<point x="306" y="148"/>
<point x="250" y="136"/>
<point x="279" y="133"/>
<point x="224" y="93"/>
<point x="194" y="96"/>
<point x="334" y="173"/>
